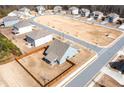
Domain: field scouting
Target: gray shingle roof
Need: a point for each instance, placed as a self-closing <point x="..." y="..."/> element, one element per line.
<point x="58" y="48"/>
<point x="51" y="57"/>
<point x="38" y="34"/>
<point x="10" y="18"/>
<point x="22" y="24"/>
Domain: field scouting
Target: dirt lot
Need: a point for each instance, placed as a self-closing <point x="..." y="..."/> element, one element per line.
<point x="45" y="72"/>
<point x="13" y="75"/>
<point x="88" y="32"/>
<point x="107" y="81"/>
<point x="121" y="57"/>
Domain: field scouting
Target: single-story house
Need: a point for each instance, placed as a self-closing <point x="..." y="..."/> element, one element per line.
<point x="84" y="12"/>
<point x="58" y="52"/>
<point x="73" y="10"/>
<point x="97" y="15"/>
<point x="57" y="9"/>
<point x="38" y="37"/>
<point x="40" y="9"/>
<point x="112" y="17"/>
<point x="22" y="27"/>
<point x="10" y="21"/>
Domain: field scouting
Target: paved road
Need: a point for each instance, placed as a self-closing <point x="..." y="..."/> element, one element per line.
<point x="90" y="46"/>
<point x="88" y="74"/>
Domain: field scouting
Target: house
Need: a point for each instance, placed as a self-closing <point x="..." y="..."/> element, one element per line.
<point x="40" y="9"/>
<point x="58" y="52"/>
<point x="39" y="37"/>
<point x="22" y="27"/>
<point x="10" y="21"/>
<point x="13" y="13"/>
<point x="73" y="10"/>
<point x="121" y="26"/>
<point x="112" y="17"/>
<point x="119" y="66"/>
<point x="96" y="15"/>
<point x="24" y="12"/>
<point x="57" y="9"/>
<point x="16" y="13"/>
<point x="84" y="12"/>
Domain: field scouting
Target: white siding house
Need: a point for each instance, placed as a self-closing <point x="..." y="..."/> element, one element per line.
<point x="40" y="10"/>
<point x="113" y="17"/>
<point x="22" y="27"/>
<point x="39" y="37"/>
<point x="10" y="21"/>
<point x="24" y="13"/>
<point x="97" y="15"/>
<point x="74" y="10"/>
<point x="57" y="9"/>
<point x="24" y="10"/>
<point x="84" y="12"/>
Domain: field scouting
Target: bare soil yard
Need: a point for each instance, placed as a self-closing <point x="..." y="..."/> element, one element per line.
<point x="13" y="75"/>
<point x="46" y="74"/>
<point x="91" y="33"/>
<point x="40" y="69"/>
<point x="107" y="81"/>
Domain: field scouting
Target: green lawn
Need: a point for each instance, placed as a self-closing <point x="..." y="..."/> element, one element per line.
<point x="7" y="48"/>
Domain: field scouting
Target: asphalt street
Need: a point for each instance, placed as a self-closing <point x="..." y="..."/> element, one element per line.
<point x="88" y="74"/>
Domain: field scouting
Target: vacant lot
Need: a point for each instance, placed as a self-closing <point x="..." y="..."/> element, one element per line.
<point x="13" y="75"/>
<point x="88" y="32"/>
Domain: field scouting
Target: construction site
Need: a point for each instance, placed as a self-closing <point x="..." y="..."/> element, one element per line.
<point x="59" y="47"/>
<point x="43" y="73"/>
<point x="88" y="32"/>
<point x="47" y="75"/>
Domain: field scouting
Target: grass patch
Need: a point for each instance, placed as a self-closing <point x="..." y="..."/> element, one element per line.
<point x="7" y="48"/>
